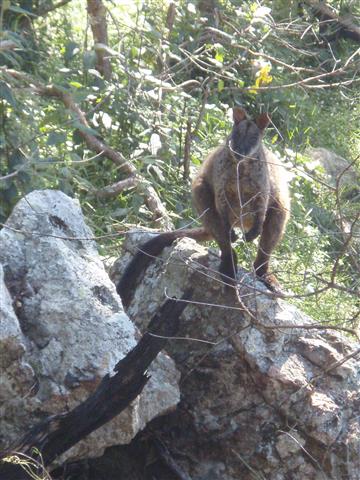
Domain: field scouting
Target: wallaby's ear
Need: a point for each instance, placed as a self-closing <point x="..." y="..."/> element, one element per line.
<point x="263" y="121"/>
<point x="239" y="114"/>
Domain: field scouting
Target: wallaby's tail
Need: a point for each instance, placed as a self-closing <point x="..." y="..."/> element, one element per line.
<point x="142" y="259"/>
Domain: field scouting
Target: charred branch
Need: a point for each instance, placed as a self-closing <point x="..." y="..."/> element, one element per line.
<point x="56" y="434"/>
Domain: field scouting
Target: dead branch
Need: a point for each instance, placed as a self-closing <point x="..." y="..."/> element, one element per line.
<point x="44" y="10"/>
<point x="116" y="188"/>
<point x="229" y="40"/>
<point x="58" y="433"/>
<point x="345" y="26"/>
<point x="8" y="45"/>
<point x="186" y="85"/>
<point x="170" y="17"/>
<point x="345" y="235"/>
<point x="345" y="246"/>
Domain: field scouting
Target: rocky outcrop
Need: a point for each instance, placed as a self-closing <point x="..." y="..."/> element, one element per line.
<point x="62" y="326"/>
<point x="264" y="394"/>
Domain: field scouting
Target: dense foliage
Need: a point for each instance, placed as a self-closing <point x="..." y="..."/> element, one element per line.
<point x="177" y="69"/>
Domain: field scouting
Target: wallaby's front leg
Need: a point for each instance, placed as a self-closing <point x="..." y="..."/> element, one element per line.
<point x="224" y="236"/>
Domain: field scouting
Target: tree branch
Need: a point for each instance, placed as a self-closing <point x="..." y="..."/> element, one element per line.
<point x="97" y="15"/>
<point x="8" y="45"/>
<point x="116" y="188"/>
<point x="152" y="199"/>
<point x="44" y="10"/>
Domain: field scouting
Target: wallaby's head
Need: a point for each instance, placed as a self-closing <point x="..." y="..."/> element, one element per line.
<point x="246" y="135"/>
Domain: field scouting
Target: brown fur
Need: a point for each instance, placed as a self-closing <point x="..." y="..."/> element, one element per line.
<point x="240" y="185"/>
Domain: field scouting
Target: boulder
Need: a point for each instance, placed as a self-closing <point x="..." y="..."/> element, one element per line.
<point x="62" y="326"/>
<point x="265" y="393"/>
<point x="336" y="167"/>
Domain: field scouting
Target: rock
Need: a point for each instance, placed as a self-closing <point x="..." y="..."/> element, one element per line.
<point x="260" y="398"/>
<point x="335" y="167"/>
<point x="289" y="444"/>
<point x="17" y="378"/>
<point x="68" y="329"/>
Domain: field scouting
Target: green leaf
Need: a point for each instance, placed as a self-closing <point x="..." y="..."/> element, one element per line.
<point x="220" y="85"/>
<point x="191" y="8"/>
<point x="11" y="58"/>
<point x="89" y="60"/>
<point x="56" y="138"/>
<point x="16" y="160"/>
<point x="71" y="49"/>
<point x="84" y="129"/>
<point x="157" y="171"/>
<point x="106" y="120"/>
<point x="11" y="193"/>
<point x="75" y="157"/>
<point x="75" y="84"/>
<point x="24" y="177"/>
<point x="195" y="161"/>
<point x="16" y="9"/>
<point x="6" y="94"/>
<point x="93" y="71"/>
<point x="5" y="5"/>
<point x="219" y="57"/>
<point x="120" y="212"/>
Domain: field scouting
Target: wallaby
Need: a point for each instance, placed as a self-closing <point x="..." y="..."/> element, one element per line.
<point x="240" y="185"/>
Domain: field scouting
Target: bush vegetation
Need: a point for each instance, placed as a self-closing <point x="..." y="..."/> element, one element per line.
<point x="176" y="69"/>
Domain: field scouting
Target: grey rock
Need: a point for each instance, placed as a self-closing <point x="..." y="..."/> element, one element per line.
<point x="289" y="444"/>
<point x="335" y="166"/>
<point x="17" y="378"/>
<point x="258" y="397"/>
<point x="69" y="325"/>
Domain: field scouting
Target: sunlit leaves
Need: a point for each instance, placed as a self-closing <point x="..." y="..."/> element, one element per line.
<point x="75" y="84"/>
<point x="143" y="112"/>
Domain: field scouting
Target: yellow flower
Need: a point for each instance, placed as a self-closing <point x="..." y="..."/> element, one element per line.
<point x="263" y="77"/>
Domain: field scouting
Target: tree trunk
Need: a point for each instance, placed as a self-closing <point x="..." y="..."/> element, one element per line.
<point x="97" y="14"/>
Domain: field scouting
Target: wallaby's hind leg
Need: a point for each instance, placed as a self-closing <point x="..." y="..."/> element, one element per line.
<point x="219" y="228"/>
<point x="273" y="229"/>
